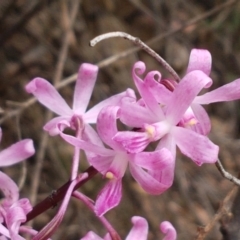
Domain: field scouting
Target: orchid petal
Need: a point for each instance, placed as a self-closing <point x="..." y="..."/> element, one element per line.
<point x="197" y="147"/>
<point x="169" y="231"/>
<point x="154" y="161"/>
<point x="57" y="125"/>
<point x="86" y="146"/>
<point x="101" y="163"/>
<point x="184" y="94"/>
<point x="87" y="76"/>
<point x="25" y="204"/>
<point x="200" y="59"/>
<point x="5" y="232"/>
<point x="169" y="143"/>
<point x="90" y="135"/>
<point x="109" y="197"/>
<point x="91" y="115"/>
<point x="9" y="188"/>
<point x="47" y="95"/>
<point x="134" y="115"/>
<point x="17" y="152"/>
<point x="107" y="237"/>
<point x="147" y="182"/>
<point x="160" y="92"/>
<point x="228" y="92"/>
<point x="165" y="176"/>
<point x="139" y="230"/>
<point x="149" y="98"/>
<point x="204" y="124"/>
<point x="132" y="142"/>
<point x="14" y="217"/>
<point x="144" y="90"/>
<point x="119" y="164"/>
<point x="107" y="126"/>
<point x="91" y="236"/>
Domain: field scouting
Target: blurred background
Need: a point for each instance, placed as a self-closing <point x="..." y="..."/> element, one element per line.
<point x="50" y="39"/>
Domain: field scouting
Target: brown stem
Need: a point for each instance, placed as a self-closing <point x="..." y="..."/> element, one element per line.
<point x="58" y="195"/>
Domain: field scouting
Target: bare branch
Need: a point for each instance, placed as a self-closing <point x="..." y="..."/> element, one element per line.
<point x="140" y="44"/>
<point x="226" y="174"/>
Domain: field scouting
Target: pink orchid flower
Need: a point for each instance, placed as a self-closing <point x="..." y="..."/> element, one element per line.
<point x="158" y="121"/>
<point x="12" y="210"/>
<point x="153" y="171"/>
<point x="196" y="118"/>
<point x="139" y="231"/>
<point x="50" y="98"/>
<point x="201" y="60"/>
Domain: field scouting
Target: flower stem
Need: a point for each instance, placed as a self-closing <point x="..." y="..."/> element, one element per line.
<point x="76" y="156"/>
<point x="75" y="163"/>
<point x="58" y="195"/>
<point x="113" y="233"/>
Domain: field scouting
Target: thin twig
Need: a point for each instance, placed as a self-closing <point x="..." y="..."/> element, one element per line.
<point x="224" y="209"/>
<point x="226" y="174"/>
<point x="140" y="44"/>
